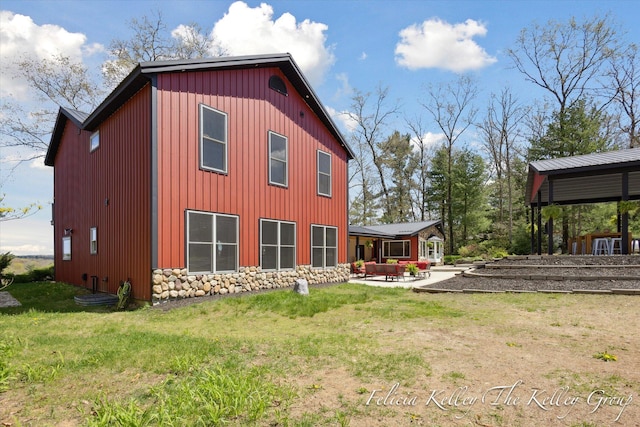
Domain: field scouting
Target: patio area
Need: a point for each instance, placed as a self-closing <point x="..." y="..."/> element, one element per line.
<point x="438" y="274"/>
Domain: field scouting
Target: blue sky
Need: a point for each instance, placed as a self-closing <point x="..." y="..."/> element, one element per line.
<point x="340" y="46"/>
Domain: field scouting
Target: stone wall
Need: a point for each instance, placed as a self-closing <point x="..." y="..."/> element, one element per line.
<point x="172" y="284"/>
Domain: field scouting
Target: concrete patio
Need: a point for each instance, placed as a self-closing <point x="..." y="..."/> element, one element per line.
<point x="438" y="274"/>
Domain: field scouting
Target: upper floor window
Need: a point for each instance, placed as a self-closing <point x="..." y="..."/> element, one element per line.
<point x="94" y="140"/>
<point x="277" y="84"/>
<point x="278" y="155"/>
<point x="212" y="242"/>
<point x="93" y="240"/>
<point x="277" y="245"/>
<point x="324" y="246"/>
<point x="324" y="173"/>
<point x="213" y="139"/>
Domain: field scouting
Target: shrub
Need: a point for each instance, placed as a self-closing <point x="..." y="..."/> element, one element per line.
<point x="451" y="259"/>
<point x="5" y="260"/>
<point x="41" y="274"/>
<point x="35" y="275"/>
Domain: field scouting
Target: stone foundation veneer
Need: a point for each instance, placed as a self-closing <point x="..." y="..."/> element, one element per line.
<point x="172" y="284"/>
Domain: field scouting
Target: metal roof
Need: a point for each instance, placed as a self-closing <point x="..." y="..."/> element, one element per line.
<point x="593" y="161"/>
<point x="143" y="73"/>
<point x="394" y="230"/>
<point x="590" y="178"/>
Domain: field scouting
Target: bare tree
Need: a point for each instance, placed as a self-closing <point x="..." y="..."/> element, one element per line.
<point x="451" y="105"/>
<point x="562" y="58"/>
<point x="625" y="74"/>
<point x="151" y="41"/>
<point x="501" y="132"/>
<point x="424" y="153"/>
<point x="370" y="114"/>
<point x="56" y="81"/>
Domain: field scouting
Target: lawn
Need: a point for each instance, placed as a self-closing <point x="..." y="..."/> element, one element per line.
<point x="345" y="355"/>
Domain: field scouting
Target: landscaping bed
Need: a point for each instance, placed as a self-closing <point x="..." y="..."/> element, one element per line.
<point x="550" y="273"/>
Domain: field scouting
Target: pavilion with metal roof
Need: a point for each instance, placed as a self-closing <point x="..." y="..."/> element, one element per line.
<point x="592" y="178"/>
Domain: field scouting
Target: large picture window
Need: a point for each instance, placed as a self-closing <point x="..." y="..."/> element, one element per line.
<point x="277" y="245"/>
<point x="324" y="173"/>
<point x="324" y="246"/>
<point x="396" y="249"/>
<point x="213" y="139"/>
<point x="278" y="159"/>
<point x="212" y="242"/>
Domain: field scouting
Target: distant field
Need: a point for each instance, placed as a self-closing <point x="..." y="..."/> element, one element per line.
<point x="23" y="264"/>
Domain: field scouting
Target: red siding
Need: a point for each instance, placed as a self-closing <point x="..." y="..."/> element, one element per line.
<point x="108" y="189"/>
<point x="253" y="109"/>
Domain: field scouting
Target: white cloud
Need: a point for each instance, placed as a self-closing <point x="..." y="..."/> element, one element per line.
<point x="345" y="88"/>
<point x="246" y="31"/>
<point x="28" y="236"/>
<point x="343" y="119"/>
<point x="39" y="164"/>
<point x="363" y="56"/>
<point x="429" y="139"/>
<point x="21" y="38"/>
<point x="438" y="44"/>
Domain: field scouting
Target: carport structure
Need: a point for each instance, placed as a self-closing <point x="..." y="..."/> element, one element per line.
<point x="611" y="176"/>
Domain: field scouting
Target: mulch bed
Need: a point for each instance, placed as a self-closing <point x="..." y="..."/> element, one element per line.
<point x="551" y="273"/>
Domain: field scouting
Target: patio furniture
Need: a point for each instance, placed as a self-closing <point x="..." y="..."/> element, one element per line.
<point x="386" y="270"/>
<point x="355" y="270"/>
<point x="601" y="246"/>
<point x="616" y="245"/>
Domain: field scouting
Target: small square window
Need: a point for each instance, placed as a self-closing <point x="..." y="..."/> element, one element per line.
<point x="93" y="240"/>
<point x="94" y="141"/>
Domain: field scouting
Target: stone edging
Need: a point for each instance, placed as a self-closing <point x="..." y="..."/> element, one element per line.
<point x="544" y="277"/>
<point x="635" y="292"/>
<point x="490" y="266"/>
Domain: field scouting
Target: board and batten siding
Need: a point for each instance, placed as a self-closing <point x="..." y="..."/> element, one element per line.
<point x="253" y="110"/>
<point x="108" y="188"/>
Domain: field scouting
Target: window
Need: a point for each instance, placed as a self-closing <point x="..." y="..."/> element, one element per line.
<point x="277" y="245"/>
<point x="66" y="248"/>
<point x="94" y="141"/>
<point x="212" y="242"/>
<point x="278" y="154"/>
<point x="396" y="249"/>
<point x="93" y="241"/>
<point x="277" y="84"/>
<point x="324" y="246"/>
<point x="324" y="173"/>
<point x="213" y="139"/>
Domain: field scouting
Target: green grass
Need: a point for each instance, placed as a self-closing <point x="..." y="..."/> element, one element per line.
<point x="47" y="297"/>
<point x="276" y="358"/>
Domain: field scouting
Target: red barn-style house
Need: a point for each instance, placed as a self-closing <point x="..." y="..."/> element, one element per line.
<point x="201" y="177"/>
